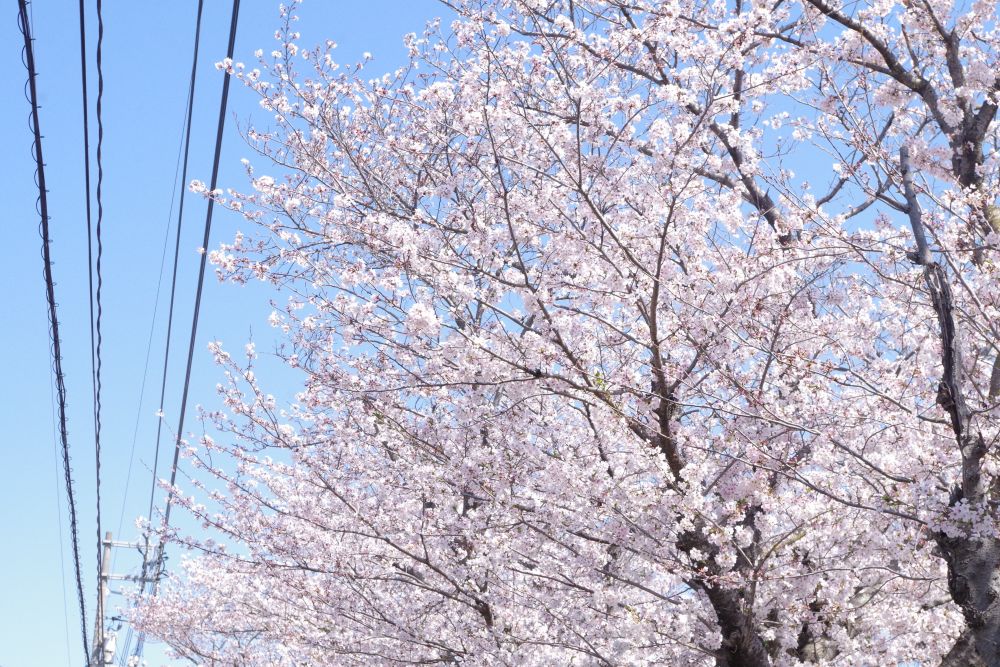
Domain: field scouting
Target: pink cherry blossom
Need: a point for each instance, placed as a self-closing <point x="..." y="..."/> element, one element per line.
<point x="603" y="362"/>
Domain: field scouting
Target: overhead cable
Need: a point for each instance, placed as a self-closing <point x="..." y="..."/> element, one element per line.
<point x="148" y="565"/>
<point x="99" y="625"/>
<point x="177" y="249"/>
<point x="182" y="169"/>
<point x="201" y="277"/>
<point x="28" y="57"/>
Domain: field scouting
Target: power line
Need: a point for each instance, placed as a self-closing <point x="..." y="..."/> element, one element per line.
<point x="95" y="346"/>
<point x="28" y="58"/>
<point x="177" y="249"/>
<point x="152" y="328"/>
<point x="123" y="654"/>
<point x="95" y="324"/>
<point x="100" y="284"/>
<point x="146" y="562"/>
<point x="86" y="180"/>
<point x="201" y="283"/>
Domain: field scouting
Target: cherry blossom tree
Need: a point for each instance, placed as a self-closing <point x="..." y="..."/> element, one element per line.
<point x="631" y="332"/>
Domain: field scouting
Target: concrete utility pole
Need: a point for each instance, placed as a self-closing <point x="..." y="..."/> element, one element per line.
<point x="105" y="645"/>
<point x="100" y="656"/>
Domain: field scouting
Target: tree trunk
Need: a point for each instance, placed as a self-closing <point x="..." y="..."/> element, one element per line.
<point x="963" y="653"/>
<point x="974" y="583"/>
<point x="741" y="645"/>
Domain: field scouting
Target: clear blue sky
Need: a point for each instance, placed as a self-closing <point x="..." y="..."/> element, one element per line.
<point x="147" y="51"/>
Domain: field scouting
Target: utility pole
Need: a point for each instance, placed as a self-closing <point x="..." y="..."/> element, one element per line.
<point x="99" y="652"/>
<point x="103" y="657"/>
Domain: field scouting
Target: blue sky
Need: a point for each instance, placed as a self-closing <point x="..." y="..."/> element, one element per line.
<point x="147" y="50"/>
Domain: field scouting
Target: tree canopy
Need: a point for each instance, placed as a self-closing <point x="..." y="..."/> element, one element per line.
<point x="631" y="333"/>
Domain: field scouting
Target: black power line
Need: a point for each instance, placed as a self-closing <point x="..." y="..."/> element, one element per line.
<point x="94" y="373"/>
<point x="124" y="646"/>
<point x="198" y="292"/>
<point x="201" y="278"/>
<point x="99" y="626"/>
<point x="43" y="210"/>
<point x="157" y="567"/>
<point x="177" y="248"/>
<point x="86" y="180"/>
<point x="146" y="560"/>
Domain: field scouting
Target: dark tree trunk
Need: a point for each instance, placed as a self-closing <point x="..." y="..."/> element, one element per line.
<point x="963" y="653"/>
<point x="741" y="645"/>
<point x="974" y="583"/>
